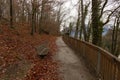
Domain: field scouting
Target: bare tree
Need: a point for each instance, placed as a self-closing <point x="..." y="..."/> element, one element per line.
<point x="115" y="35"/>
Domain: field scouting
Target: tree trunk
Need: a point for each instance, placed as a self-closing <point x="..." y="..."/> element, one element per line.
<point x="115" y="37"/>
<point x="89" y="30"/>
<point x="41" y="18"/>
<point x="33" y="25"/>
<point x="11" y="14"/>
<point x="95" y="22"/>
<point x="33" y="18"/>
<point x="78" y="23"/>
<point x="83" y="20"/>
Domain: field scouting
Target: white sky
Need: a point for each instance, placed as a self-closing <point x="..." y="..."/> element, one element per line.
<point x="72" y="9"/>
<point x="71" y="6"/>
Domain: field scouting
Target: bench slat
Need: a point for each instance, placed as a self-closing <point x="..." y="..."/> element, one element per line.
<point x="44" y="51"/>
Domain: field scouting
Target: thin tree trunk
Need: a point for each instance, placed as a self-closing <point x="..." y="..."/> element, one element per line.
<point x="116" y="37"/>
<point x="11" y="14"/>
<point x="41" y="18"/>
<point x="35" y="23"/>
<point x="89" y="31"/>
<point x="113" y="38"/>
<point x="83" y="20"/>
<point x="32" y="26"/>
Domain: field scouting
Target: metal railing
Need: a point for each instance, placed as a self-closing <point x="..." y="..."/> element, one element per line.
<point x="105" y="65"/>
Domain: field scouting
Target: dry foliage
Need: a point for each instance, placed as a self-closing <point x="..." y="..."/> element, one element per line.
<point x="18" y="57"/>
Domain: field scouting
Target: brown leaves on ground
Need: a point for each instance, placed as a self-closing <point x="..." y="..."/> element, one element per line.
<point x="18" y="54"/>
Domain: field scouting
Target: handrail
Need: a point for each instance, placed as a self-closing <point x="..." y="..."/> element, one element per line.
<point x="105" y="65"/>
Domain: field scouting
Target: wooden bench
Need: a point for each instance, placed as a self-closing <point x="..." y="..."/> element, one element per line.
<point x="43" y="49"/>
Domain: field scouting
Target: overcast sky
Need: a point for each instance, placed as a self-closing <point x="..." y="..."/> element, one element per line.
<point x="71" y="11"/>
<point x="71" y="8"/>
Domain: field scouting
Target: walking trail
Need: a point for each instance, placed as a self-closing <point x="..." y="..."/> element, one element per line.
<point x="71" y="67"/>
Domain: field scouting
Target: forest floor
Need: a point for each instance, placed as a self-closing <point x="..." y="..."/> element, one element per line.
<point x="19" y="59"/>
<point x="71" y="66"/>
<point x="18" y="56"/>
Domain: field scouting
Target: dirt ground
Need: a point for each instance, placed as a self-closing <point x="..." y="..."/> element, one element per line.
<point x="71" y="67"/>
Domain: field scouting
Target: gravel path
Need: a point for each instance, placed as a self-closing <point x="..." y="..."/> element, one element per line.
<point x="71" y="67"/>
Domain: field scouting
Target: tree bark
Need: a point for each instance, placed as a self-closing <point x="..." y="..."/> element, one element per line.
<point x="95" y="22"/>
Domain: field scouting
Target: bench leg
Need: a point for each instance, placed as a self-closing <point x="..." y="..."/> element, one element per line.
<point x="42" y="56"/>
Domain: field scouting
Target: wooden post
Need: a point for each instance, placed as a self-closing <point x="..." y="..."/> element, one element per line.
<point x="83" y="52"/>
<point x="98" y="64"/>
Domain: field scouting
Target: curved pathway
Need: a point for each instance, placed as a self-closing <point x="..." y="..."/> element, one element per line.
<point x="71" y="67"/>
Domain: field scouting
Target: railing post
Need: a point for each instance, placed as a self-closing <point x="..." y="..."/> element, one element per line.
<point x="83" y="52"/>
<point x="115" y="70"/>
<point x="98" y="64"/>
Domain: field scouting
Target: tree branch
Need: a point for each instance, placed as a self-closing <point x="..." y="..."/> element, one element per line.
<point x="110" y="15"/>
<point x="102" y="9"/>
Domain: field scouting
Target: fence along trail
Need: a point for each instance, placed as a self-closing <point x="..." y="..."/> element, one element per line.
<point x="105" y="65"/>
<point x="71" y="66"/>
